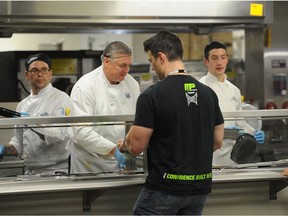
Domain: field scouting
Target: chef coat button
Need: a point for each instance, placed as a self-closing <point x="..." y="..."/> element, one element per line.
<point x="112" y="104"/>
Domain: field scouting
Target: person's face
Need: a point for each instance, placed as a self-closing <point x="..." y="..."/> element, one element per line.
<point x="217" y="61"/>
<point x="156" y="64"/>
<point x="39" y="75"/>
<point x="117" y="67"/>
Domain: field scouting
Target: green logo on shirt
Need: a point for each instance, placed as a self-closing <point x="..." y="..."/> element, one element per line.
<point x="198" y="177"/>
<point x="191" y="93"/>
<point x="189" y="86"/>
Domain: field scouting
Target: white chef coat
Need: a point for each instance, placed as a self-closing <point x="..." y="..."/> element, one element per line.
<point x="48" y="155"/>
<point x="229" y="97"/>
<point x="93" y="95"/>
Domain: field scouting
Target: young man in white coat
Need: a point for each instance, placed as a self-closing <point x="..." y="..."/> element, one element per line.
<point x="216" y="60"/>
<point x="107" y="90"/>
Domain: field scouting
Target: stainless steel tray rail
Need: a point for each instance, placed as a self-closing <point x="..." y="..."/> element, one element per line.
<point x="65" y="121"/>
<point x="256" y="114"/>
<point x="125" y="119"/>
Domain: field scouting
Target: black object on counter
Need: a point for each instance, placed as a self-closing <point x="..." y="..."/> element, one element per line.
<point x="9" y="113"/>
<point x="244" y="149"/>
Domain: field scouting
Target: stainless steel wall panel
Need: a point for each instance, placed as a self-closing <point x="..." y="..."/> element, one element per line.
<point x="3" y="11"/>
<point x="277" y="51"/>
<point x="129" y="14"/>
<point x="254" y="69"/>
<point x="140" y="9"/>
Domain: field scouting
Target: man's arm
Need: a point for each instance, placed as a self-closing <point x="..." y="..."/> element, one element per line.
<point x="218" y="136"/>
<point x="137" y="139"/>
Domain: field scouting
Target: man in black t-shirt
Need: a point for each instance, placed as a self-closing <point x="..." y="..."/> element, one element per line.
<point x="180" y="123"/>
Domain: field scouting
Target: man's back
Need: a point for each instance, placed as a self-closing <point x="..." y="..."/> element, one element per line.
<point x="181" y="146"/>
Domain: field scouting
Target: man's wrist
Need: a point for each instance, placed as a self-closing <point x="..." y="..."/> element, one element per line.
<point x="123" y="147"/>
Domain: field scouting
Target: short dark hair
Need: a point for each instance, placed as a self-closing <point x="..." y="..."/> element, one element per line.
<point x="37" y="57"/>
<point x="165" y="42"/>
<point x="213" y="45"/>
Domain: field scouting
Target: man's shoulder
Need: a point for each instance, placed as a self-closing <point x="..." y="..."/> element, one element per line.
<point x="59" y="92"/>
<point x="131" y="79"/>
<point x="89" y="75"/>
<point x="202" y="79"/>
<point x="87" y="79"/>
<point x="232" y="86"/>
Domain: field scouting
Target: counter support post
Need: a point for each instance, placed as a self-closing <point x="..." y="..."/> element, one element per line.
<point x="275" y="186"/>
<point x="89" y="196"/>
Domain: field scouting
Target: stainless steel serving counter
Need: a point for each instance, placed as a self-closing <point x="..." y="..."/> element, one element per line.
<point x="57" y="183"/>
<point x="92" y="185"/>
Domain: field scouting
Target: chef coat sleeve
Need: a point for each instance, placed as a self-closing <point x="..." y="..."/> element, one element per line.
<point x="17" y="141"/>
<point x="87" y="137"/>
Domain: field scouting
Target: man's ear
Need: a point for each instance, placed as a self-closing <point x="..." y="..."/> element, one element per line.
<point x="26" y="75"/>
<point x="205" y="61"/>
<point x="162" y="57"/>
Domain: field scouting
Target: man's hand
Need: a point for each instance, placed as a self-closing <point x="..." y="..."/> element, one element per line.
<point x="2" y="150"/>
<point x="285" y="172"/>
<point x="259" y="136"/>
<point x="120" y="158"/>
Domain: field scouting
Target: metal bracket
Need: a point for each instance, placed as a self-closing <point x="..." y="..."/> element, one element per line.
<point x="88" y="197"/>
<point x="275" y="186"/>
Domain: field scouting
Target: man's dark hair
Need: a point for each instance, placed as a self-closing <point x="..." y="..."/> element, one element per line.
<point x="165" y="42"/>
<point x="213" y="45"/>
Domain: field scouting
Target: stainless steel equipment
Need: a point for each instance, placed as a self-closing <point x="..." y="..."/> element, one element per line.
<point x="111" y="16"/>
<point x="276" y="79"/>
<point x="11" y="168"/>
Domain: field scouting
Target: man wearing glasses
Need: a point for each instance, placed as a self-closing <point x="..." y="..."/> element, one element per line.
<point x="107" y="90"/>
<point x="43" y="149"/>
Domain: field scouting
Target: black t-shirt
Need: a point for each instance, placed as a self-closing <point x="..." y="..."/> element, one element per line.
<point x="183" y="113"/>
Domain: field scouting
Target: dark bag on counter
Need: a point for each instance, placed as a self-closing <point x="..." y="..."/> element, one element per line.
<point x="244" y="149"/>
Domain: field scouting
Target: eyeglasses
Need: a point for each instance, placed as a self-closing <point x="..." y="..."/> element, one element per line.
<point x="43" y="70"/>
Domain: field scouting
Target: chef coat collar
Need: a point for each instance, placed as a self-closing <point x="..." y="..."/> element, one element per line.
<point x="42" y="91"/>
<point x="106" y="81"/>
<point x="213" y="78"/>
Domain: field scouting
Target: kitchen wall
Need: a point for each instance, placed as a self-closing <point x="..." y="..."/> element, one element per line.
<point x="40" y="41"/>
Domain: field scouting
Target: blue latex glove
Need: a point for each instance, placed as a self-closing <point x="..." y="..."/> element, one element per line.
<point x="241" y="132"/>
<point x="24" y="114"/>
<point x="259" y="136"/>
<point x="232" y="127"/>
<point x="120" y="158"/>
<point x="2" y="150"/>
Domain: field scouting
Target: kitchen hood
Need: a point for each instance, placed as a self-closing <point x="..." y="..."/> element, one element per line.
<point x="130" y="16"/>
